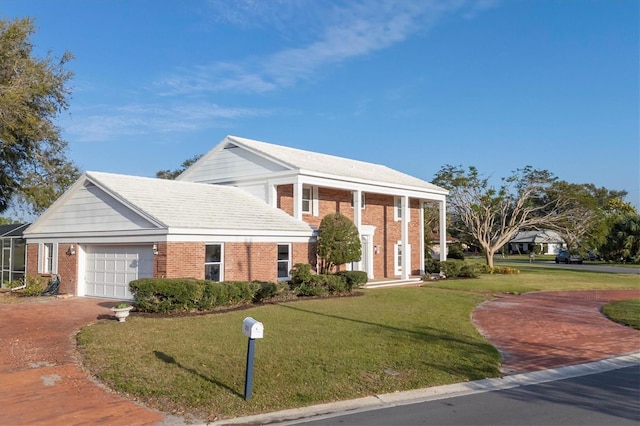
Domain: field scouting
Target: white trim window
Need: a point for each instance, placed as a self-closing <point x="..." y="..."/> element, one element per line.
<point x="310" y="200"/>
<point x="47" y="258"/>
<point x="284" y="261"/>
<point x="213" y="264"/>
<point x="362" y="200"/>
<point x="307" y="199"/>
<point x="397" y="210"/>
<point x="397" y="256"/>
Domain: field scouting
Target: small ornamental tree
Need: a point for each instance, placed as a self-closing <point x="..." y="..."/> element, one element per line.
<point x="338" y="242"/>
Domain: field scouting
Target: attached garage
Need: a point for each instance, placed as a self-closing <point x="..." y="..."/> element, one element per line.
<point x="110" y="269"/>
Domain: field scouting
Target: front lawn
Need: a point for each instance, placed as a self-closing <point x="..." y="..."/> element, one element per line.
<point x="313" y="351"/>
<point x="317" y="350"/>
<point x="625" y="312"/>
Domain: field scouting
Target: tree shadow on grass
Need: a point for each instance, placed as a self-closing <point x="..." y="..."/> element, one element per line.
<point x="171" y="360"/>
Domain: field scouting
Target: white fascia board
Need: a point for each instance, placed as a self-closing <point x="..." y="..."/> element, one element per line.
<point x="353" y="184"/>
<point x="238" y="232"/>
<point x="240" y="238"/>
<point x="140" y="239"/>
<point x="78" y="237"/>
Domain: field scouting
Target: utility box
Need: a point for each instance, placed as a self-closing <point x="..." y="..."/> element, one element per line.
<point x="252" y="329"/>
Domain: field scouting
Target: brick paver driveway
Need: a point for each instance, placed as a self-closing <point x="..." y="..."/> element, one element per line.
<point x="536" y="331"/>
<point x="40" y="382"/>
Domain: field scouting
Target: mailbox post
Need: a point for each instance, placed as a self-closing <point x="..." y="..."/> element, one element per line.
<point x="253" y="330"/>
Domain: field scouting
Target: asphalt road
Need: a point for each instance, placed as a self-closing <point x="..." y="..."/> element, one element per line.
<point x="609" y="398"/>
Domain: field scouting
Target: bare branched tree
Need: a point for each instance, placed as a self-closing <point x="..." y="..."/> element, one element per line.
<point x="489" y="216"/>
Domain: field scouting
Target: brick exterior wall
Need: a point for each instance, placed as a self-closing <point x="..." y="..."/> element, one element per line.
<point x="242" y="261"/>
<point x="67" y="267"/>
<point x="378" y="212"/>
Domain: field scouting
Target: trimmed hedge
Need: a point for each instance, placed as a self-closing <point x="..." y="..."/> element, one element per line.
<point x="305" y="283"/>
<point x="185" y="294"/>
<point x="353" y="279"/>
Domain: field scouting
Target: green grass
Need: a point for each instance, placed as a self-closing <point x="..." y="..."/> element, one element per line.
<point x="535" y="277"/>
<point x="314" y="351"/>
<point x="625" y="312"/>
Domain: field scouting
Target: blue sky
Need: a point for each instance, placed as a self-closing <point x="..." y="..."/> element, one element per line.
<point x="411" y="84"/>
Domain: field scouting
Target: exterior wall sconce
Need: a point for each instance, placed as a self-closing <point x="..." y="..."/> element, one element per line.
<point x="155" y="249"/>
<point x="71" y="250"/>
<point x="376" y="249"/>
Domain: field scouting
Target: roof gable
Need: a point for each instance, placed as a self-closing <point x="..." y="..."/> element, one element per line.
<point x="312" y="163"/>
<point x="172" y="204"/>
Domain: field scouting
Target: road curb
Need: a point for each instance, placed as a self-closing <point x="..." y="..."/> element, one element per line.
<point x="318" y="412"/>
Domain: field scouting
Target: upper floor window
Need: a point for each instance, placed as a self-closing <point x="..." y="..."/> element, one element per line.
<point x="307" y="199"/>
<point x="398" y="211"/>
<point x="213" y="270"/>
<point x="353" y="199"/>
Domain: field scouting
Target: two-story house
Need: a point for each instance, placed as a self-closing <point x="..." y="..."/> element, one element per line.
<point x="246" y="210"/>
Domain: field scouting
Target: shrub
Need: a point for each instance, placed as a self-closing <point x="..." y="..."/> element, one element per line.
<point x="353" y="279"/>
<point x="451" y="268"/>
<point x="300" y="274"/>
<point x="455" y="252"/>
<point x="431" y="265"/>
<point x="312" y="287"/>
<point x="166" y="295"/>
<point x="35" y="285"/>
<point x="338" y="241"/>
<point x="468" y="270"/>
<point x="266" y="291"/>
<point x="504" y="270"/>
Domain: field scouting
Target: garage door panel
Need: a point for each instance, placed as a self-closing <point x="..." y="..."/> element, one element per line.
<point x="110" y="269"/>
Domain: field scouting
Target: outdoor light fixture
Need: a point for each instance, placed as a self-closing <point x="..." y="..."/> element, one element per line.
<point x="155" y="249"/>
<point x="71" y="250"/>
<point x="376" y="249"/>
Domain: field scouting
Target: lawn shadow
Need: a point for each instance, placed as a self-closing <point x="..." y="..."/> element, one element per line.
<point x="171" y="360"/>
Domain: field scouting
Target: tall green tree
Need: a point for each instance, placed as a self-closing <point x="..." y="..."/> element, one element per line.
<point x="623" y="241"/>
<point x="33" y="92"/>
<point x="338" y="242"/>
<point x="490" y="216"/>
<point x="586" y="222"/>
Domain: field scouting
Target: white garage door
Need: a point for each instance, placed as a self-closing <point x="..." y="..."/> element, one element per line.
<point x="109" y="269"/>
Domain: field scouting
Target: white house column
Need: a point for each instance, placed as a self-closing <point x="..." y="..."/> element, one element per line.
<point x="297" y="200"/>
<point x="272" y="195"/>
<point x="443" y="230"/>
<point x="357" y="219"/>
<point x="406" y="256"/>
<point x="422" y="238"/>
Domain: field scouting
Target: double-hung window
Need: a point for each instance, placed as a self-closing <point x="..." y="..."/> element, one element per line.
<point x="284" y="261"/>
<point x="307" y="199"/>
<point x="47" y="258"/>
<point x="213" y="270"/>
<point x="398" y="210"/>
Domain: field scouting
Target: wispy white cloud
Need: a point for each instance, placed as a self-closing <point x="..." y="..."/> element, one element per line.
<point x="332" y="33"/>
<point x="103" y="123"/>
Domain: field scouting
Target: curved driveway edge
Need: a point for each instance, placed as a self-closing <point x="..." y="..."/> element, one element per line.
<point x="41" y="381"/>
<point x="536" y="331"/>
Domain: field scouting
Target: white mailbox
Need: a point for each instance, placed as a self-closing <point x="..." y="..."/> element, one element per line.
<point x="252" y="329"/>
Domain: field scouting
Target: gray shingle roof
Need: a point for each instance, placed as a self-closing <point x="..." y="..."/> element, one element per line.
<point x="332" y="165"/>
<point x="178" y="204"/>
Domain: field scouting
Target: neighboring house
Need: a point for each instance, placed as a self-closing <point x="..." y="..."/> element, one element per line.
<point x="434" y="251"/>
<point x="13" y="257"/>
<point x="247" y="210"/>
<point x="549" y="241"/>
